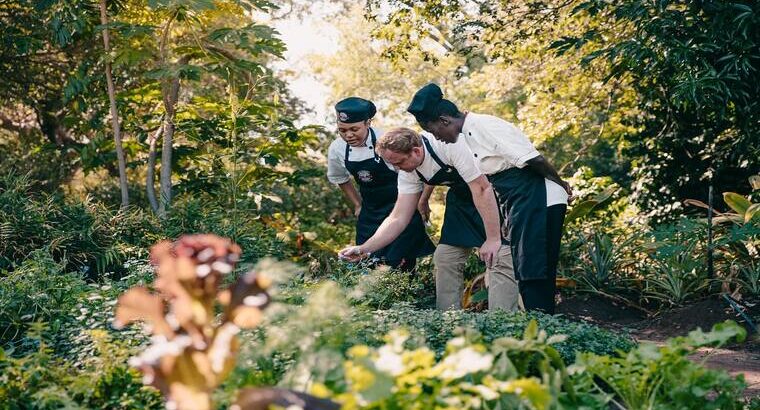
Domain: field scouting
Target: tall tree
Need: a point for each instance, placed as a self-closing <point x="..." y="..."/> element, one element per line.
<point x="114" y="110"/>
<point x="564" y="108"/>
<point x="684" y="72"/>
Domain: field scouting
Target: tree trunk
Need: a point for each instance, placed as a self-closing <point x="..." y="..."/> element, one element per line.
<point x="150" y="178"/>
<point x="171" y="95"/>
<point x="114" y="111"/>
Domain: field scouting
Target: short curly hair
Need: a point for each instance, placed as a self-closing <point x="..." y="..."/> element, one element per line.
<point x="400" y="140"/>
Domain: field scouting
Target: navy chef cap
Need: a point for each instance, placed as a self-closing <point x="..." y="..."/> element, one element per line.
<point x="425" y="102"/>
<point x="354" y="109"/>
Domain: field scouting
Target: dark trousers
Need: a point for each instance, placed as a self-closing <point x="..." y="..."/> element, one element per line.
<point x="405" y="265"/>
<point x="538" y="294"/>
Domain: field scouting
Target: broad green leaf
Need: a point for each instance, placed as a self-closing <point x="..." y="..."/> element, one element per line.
<point x="580" y="210"/>
<point x="479" y="296"/>
<point x="531" y="331"/>
<point x="606" y="194"/>
<point x="752" y="211"/>
<point x="737" y="202"/>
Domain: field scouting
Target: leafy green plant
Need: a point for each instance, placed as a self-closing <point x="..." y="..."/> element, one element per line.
<point x="520" y="373"/>
<point x="676" y="278"/>
<point x="37" y="291"/>
<point x="601" y="262"/>
<point x="749" y="279"/>
<point x="651" y="377"/>
<point x="42" y="380"/>
<point x="86" y="234"/>
<point x="584" y="208"/>
<point x="672" y="262"/>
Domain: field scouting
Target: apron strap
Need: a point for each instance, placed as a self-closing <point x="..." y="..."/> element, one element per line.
<point x="435" y="158"/>
<point x="345" y="158"/>
<point x="433" y="154"/>
<point x="374" y="142"/>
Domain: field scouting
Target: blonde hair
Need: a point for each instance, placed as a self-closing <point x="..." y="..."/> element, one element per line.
<point x="400" y="140"/>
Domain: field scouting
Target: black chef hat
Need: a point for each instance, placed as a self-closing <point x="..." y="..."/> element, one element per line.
<point x="354" y="109"/>
<point x="424" y="105"/>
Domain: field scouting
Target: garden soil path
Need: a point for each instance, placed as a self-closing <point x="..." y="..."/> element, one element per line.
<point x="736" y="359"/>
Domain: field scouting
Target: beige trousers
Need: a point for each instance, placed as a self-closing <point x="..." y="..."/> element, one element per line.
<point x="449" y="279"/>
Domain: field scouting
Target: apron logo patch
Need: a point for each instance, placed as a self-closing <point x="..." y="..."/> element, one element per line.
<point x="343" y="116"/>
<point x="364" y="175"/>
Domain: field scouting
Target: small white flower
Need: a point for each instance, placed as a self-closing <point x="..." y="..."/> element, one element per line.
<point x="159" y="348"/>
<point x="222" y="267"/>
<point x="464" y="362"/>
<point x="485" y="392"/>
<point x="202" y="270"/>
<point x="255" y="300"/>
<point x="205" y="255"/>
<point x="221" y="348"/>
<point x="457" y="342"/>
<point x="388" y="361"/>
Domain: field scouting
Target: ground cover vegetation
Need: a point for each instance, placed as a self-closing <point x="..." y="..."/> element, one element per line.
<point x="645" y="106"/>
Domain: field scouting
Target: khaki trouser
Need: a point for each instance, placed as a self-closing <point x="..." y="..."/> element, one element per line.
<point x="449" y="279"/>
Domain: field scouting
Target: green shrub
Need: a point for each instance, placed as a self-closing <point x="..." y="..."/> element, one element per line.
<point x="41" y="380"/>
<point x="204" y="215"/>
<point x="437" y="327"/>
<point x="527" y="372"/>
<point x="85" y="234"/>
<point x="510" y="373"/>
<point x="310" y="337"/>
<point x="37" y="291"/>
<point x="653" y="377"/>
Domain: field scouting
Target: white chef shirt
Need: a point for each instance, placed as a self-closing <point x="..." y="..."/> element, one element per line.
<point x="498" y="145"/>
<point x="336" y="157"/>
<point x="457" y="155"/>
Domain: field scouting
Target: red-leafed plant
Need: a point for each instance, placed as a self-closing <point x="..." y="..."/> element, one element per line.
<point x="191" y="352"/>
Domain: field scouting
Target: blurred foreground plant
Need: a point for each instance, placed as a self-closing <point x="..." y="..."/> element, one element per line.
<point x="515" y="373"/>
<point x="191" y="351"/>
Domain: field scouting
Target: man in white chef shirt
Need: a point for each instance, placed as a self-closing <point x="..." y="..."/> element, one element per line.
<point x="354" y="154"/>
<point x="531" y="194"/>
<point x="469" y="202"/>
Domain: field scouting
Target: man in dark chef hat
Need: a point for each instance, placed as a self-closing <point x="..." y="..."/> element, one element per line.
<point x="353" y="154"/>
<point x="532" y="196"/>
<point x="471" y="218"/>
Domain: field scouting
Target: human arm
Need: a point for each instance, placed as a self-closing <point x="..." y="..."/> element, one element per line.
<point x="423" y="205"/>
<point x="338" y="174"/>
<point x="353" y="196"/>
<point x="485" y="202"/>
<point x="388" y="231"/>
<point x="544" y="168"/>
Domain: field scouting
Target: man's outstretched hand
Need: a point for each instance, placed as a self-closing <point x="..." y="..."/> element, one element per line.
<point x="352" y="254"/>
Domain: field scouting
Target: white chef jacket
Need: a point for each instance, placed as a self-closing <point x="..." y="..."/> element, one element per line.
<point x="497" y="145"/>
<point x="336" y="157"/>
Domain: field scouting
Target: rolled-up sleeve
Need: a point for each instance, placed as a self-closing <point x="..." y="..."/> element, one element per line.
<point x="336" y="167"/>
<point x="461" y="157"/>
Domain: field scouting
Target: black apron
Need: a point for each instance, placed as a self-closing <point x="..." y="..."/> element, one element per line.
<point x="378" y="186"/>
<point x="522" y="199"/>
<point x="462" y="224"/>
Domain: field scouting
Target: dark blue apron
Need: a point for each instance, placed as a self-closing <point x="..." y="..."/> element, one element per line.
<point x="462" y="224"/>
<point x="522" y="199"/>
<point x="378" y="186"/>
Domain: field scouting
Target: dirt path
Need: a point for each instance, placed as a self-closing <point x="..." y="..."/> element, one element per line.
<point x="736" y="359"/>
<point x="735" y="363"/>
